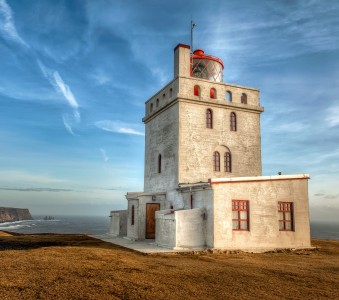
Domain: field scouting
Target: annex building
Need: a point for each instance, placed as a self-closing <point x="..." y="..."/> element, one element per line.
<point x="203" y="183"/>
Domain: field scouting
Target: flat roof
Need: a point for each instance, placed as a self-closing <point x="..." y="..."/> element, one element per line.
<point x="258" y="178"/>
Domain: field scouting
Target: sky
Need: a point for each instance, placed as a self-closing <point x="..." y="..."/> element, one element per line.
<point x="75" y="75"/>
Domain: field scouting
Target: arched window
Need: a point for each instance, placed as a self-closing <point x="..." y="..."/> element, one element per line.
<point x="159" y="163"/>
<point x="227" y="162"/>
<point x="151" y="107"/>
<point x="157" y="103"/>
<point x="213" y="93"/>
<point x="132" y="215"/>
<point x="170" y="92"/>
<point x="228" y="96"/>
<point x="233" y="122"/>
<point x="209" y="118"/>
<point x="216" y="161"/>
<point x="243" y="98"/>
<point x="196" y="90"/>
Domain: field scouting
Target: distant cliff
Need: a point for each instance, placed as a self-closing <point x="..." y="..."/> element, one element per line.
<point x="9" y="214"/>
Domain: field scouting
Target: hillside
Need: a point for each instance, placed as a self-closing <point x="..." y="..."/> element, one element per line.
<point x="80" y="267"/>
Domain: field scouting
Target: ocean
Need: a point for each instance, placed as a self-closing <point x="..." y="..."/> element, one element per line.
<point x="60" y="224"/>
<point x="100" y="225"/>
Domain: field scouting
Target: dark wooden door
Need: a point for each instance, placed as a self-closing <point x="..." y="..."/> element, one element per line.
<point x="151" y="208"/>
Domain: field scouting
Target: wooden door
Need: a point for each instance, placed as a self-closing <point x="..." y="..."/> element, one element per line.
<point x="151" y="208"/>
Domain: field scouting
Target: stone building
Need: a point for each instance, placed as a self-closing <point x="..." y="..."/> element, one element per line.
<point x="203" y="183"/>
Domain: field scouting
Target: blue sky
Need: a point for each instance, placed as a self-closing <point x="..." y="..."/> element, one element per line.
<point x="75" y="75"/>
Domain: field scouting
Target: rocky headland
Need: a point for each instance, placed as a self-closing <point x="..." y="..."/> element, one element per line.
<point x="10" y="214"/>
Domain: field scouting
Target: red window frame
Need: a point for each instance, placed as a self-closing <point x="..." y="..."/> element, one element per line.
<point x="240" y="215"/>
<point x="216" y="161"/>
<point x="227" y="162"/>
<point x="233" y="121"/>
<point x="196" y="90"/>
<point x="209" y="118"/>
<point x="132" y="217"/>
<point x="212" y="93"/>
<point x="286" y="219"/>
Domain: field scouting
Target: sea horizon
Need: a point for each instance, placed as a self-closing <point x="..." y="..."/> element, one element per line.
<point x="99" y="224"/>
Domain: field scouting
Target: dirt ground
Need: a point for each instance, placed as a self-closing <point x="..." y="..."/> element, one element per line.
<point x="54" y="266"/>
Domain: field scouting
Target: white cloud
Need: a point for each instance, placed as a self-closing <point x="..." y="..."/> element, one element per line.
<point x="104" y="155"/>
<point x="120" y="127"/>
<point x="100" y="78"/>
<point x="67" y="125"/>
<point x="20" y="177"/>
<point x="65" y="90"/>
<point x="7" y="27"/>
<point x="333" y="116"/>
<point x="290" y="127"/>
<point x="59" y="85"/>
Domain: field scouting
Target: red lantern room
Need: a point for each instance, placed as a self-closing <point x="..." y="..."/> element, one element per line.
<point x="207" y="66"/>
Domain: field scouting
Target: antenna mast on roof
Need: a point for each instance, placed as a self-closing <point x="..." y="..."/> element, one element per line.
<point x="192" y="27"/>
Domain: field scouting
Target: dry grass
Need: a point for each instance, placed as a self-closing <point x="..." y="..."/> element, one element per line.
<point x="80" y="267"/>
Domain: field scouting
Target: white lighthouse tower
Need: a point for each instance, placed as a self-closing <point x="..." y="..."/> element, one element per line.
<point x="203" y="183"/>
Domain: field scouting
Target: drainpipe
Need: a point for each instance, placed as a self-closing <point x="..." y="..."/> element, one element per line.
<point x="191" y="196"/>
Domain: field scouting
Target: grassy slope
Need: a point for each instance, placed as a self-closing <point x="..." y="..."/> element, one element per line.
<point x="80" y="267"/>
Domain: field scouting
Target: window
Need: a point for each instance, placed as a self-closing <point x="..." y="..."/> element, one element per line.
<point x="132" y="217"/>
<point x="151" y="107"/>
<point x="170" y="92"/>
<point x="227" y="162"/>
<point x="163" y="96"/>
<point x="229" y="96"/>
<point x="196" y="90"/>
<point x="209" y="118"/>
<point x="216" y="161"/>
<point x="285" y="210"/>
<point x="233" y="122"/>
<point x="244" y="98"/>
<point x="157" y="103"/>
<point x="159" y="163"/>
<point x="240" y="215"/>
<point x="213" y="93"/>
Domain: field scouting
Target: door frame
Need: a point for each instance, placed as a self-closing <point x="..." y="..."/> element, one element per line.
<point x="158" y="204"/>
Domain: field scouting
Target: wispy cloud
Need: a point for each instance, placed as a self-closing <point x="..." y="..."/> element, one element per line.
<point x="61" y="87"/>
<point x="290" y="127"/>
<point x="104" y="155"/>
<point x="7" y="27"/>
<point x="333" y="116"/>
<point x="54" y="190"/>
<point x="57" y="82"/>
<point x="67" y="125"/>
<point x="120" y="127"/>
<point x="27" y="177"/>
<point x="100" y="78"/>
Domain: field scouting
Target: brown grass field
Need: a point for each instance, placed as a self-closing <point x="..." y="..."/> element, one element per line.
<point x="55" y="266"/>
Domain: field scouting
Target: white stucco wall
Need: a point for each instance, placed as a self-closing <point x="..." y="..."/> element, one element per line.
<point x="190" y="228"/>
<point x="118" y="223"/>
<point x="165" y="235"/>
<point x="263" y="199"/>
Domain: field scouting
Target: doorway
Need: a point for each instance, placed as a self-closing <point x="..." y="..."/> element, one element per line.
<point x="151" y="208"/>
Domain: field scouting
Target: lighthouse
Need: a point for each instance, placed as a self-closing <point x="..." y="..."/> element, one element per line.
<point x="203" y="183"/>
